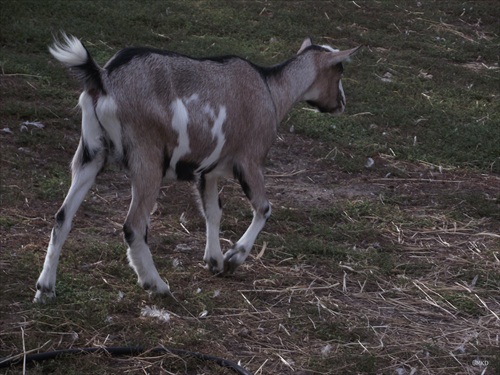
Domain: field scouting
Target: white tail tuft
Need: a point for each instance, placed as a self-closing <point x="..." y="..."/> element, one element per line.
<point x="70" y="51"/>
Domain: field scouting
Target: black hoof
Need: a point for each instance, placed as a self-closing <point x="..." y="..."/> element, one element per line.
<point x="213" y="266"/>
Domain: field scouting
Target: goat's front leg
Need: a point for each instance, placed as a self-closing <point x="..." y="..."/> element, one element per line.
<point x="84" y="174"/>
<point x="252" y="182"/>
<point x="211" y="208"/>
<point x="145" y="189"/>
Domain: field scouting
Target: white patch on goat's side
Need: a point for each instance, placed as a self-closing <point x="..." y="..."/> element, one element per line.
<point x="218" y="135"/>
<point x="91" y="130"/>
<point x="180" y="120"/>
<point x="207" y="109"/>
<point x="106" y="110"/>
<point x="219" y="121"/>
<point x="192" y="98"/>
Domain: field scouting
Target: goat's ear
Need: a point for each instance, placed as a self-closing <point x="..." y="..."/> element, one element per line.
<point x="343" y="56"/>
<point x="306" y="43"/>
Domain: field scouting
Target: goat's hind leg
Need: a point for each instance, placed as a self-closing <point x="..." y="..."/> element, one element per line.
<point x="85" y="167"/>
<point x="252" y="182"/>
<point x="145" y="189"/>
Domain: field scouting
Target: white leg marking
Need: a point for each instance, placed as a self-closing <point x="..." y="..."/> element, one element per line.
<point x="252" y="181"/>
<point x="144" y="196"/>
<point x="141" y="260"/>
<point x="82" y="181"/>
<point x="83" y="177"/>
<point x="239" y="253"/>
<point x="47" y="280"/>
<point x="91" y="131"/>
<point x="248" y="239"/>
<point x="213" y="213"/>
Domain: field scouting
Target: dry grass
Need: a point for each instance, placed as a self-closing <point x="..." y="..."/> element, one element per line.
<point x="389" y="269"/>
<point x="423" y="298"/>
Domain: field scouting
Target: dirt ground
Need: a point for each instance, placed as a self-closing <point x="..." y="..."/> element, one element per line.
<point x="283" y="312"/>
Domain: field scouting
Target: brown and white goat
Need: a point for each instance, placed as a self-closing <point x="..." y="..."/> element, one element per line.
<point x="161" y="114"/>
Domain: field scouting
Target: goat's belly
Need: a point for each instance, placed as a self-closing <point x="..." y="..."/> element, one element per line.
<point x="190" y="171"/>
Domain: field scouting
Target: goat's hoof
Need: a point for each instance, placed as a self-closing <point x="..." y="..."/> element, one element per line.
<point x="233" y="259"/>
<point x="44" y="295"/>
<point x="214" y="266"/>
<point x="159" y="287"/>
<point x="229" y="268"/>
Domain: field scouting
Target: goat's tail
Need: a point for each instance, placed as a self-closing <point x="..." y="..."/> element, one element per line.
<point x="72" y="53"/>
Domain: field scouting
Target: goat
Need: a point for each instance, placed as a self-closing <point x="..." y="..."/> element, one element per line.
<point x="162" y="114"/>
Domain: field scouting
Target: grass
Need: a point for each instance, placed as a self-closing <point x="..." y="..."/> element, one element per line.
<point x="391" y="268"/>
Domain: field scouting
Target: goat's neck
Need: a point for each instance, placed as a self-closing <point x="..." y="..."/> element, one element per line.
<point x="289" y="83"/>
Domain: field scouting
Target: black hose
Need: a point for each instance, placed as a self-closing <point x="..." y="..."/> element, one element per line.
<point x="117" y="351"/>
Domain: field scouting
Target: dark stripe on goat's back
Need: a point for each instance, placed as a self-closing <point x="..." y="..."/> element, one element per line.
<point x="124" y="56"/>
<point x="276" y="70"/>
<point x="220" y="59"/>
<point x="269" y="71"/>
<point x="185" y="170"/>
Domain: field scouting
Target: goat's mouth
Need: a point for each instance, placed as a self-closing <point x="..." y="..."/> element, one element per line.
<point x="325" y="109"/>
<point x="338" y="111"/>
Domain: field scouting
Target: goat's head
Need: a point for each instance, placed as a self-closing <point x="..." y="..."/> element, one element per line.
<point x="326" y="92"/>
